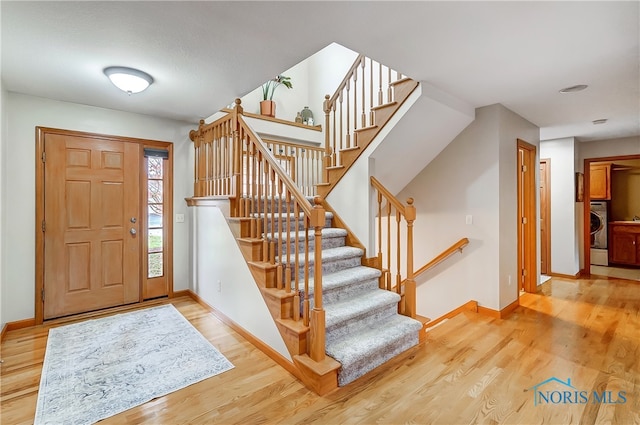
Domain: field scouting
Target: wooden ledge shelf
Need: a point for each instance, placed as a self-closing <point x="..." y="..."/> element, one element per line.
<point x="277" y="120"/>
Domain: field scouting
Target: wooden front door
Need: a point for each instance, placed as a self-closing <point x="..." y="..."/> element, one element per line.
<point x="91" y="223"/>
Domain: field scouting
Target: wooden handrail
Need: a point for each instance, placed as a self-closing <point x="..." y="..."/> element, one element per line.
<point x="458" y="246"/>
<point x="346" y="78"/>
<point x="387" y="246"/>
<point x="388" y="195"/>
<point x="202" y="127"/>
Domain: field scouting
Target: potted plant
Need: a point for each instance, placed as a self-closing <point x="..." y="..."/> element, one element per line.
<point x="267" y="105"/>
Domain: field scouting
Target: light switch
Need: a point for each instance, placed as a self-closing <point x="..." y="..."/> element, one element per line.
<point x="469" y="219"/>
<point x="179" y="218"/>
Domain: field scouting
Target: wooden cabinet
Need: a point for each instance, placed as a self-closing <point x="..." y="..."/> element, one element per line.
<point x="600" y="181"/>
<point x="624" y="246"/>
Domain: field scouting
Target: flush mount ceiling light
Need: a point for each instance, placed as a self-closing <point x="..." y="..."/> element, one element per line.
<point x="574" y="89"/>
<point x="128" y="80"/>
<point x="599" y="121"/>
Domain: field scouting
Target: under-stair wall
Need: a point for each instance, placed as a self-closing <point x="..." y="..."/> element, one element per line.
<point x="221" y="276"/>
<point x="472" y="179"/>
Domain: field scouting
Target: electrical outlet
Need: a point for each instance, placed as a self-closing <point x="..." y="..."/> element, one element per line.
<point x="219" y="286"/>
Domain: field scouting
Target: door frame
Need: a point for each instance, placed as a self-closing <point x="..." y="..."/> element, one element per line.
<point x="528" y="210"/>
<point x="586" y="219"/>
<point x="547" y="215"/>
<point x="41" y="132"/>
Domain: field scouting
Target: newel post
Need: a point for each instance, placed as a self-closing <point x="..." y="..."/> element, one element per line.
<point x="196" y="138"/>
<point x="327" y="138"/>
<point x="237" y="158"/>
<point x="410" y="284"/>
<point x="317" y="318"/>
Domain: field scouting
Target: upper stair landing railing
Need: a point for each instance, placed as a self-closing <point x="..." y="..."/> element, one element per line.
<point x="356" y="111"/>
<point x="301" y="162"/>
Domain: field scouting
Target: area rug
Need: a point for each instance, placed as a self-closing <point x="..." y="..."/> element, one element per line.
<point x="98" y="368"/>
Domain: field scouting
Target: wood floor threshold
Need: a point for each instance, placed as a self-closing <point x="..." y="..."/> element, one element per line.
<point x="564" y="276"/>
<point x="29" y="323"/>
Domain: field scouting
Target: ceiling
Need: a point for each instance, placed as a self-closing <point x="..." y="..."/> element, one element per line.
<point x="204" y="54"/>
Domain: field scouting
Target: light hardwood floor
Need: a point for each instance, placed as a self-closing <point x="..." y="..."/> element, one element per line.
<point x="472" y="369"/>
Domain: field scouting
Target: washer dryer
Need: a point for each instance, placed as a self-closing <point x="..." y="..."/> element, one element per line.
<point x="598" y="230"/>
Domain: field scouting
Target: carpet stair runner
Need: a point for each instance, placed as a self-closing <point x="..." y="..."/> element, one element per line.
<point x="363" y="327"/>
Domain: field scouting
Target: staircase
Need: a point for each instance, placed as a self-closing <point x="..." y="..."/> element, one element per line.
<point x="337" y="310"/>
<point x="363" y="327"/>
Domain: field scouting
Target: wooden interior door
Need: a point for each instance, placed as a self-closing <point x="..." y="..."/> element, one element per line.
<point x="545" y="208"/>
<point x="527" y="217"/>
<point x="91" y="216"/>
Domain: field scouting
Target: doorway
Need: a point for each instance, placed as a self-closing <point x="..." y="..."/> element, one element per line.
<point x="527" y="220"/>
<point x="592" y="188"/>
<point x="93" y="203"/>
<point x="545" y="216"/>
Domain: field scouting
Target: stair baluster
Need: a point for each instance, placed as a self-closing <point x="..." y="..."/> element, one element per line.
<point x="405" y="287"/>
<point x="347" y="130"/>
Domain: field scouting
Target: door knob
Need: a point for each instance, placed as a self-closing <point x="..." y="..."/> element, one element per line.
<point x="133" y="219"/>
<point x="133" y="231"/>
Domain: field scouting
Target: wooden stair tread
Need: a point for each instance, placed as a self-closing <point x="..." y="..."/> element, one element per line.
<point x="263" y="264"/>
<point x="278" y="293"/>
<point x="400" y="81"/>
<point x="353" y="148"/>
<point x="296" y="326"/>
<point x="384" y="105"/>
<point x="320" y="376"/>
<point x="239" y="219"/>
<point x="371" y="127"/>
<point x="335" y="167"/>
<point x="321" y="368"/>
<point x="249" y="240"/>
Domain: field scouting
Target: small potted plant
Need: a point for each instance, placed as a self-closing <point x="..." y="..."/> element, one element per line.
<point x="267" y="105"/>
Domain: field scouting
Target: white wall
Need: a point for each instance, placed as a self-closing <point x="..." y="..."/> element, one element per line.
<point x="462" y="180"/>
<point x="564" y="238"/>
<point x="607" y="148"/>
<point x="474" y="175"/>
<point x="327" y="68"/>
<point x="222" y="278"/>
<point x="513" y="127"/>
<point x="3" y="140"/>
<point x="312" y="79"/>
<point x="24" y="113"/>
